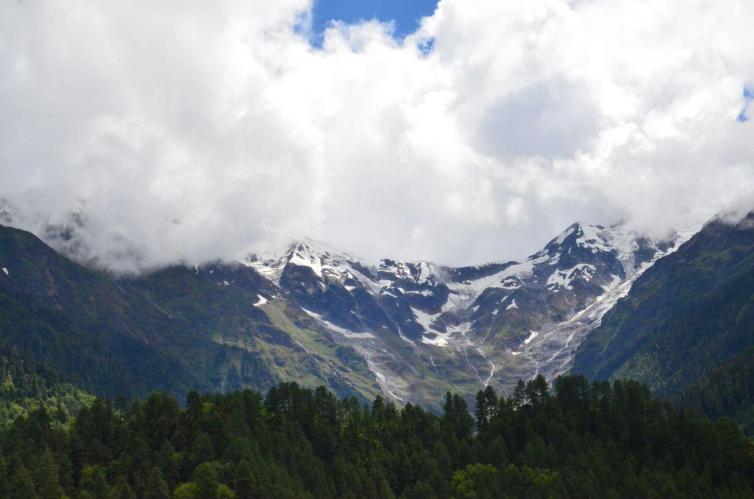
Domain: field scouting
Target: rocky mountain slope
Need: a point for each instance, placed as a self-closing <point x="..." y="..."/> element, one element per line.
<point x="424" y="328"/>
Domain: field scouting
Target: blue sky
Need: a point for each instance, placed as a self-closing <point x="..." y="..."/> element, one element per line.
<point x="748" y="98"/>
<point x="405" y="13"/>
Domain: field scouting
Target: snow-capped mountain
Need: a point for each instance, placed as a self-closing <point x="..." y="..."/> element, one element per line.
<point x="318" y="316"/>
<point x="423" y="328"/>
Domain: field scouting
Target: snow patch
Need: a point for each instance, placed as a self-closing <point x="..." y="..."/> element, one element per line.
<point x="436" y="337"/>
<point x="261" y="301"/>
<point x="565" y="278"/>
<point x="325" y="262"/>
<point x="425" y="320"/>
<point x="532" y="335"/>
<point x="512" y="305"/>
<point x="442" y="339"/>
<point x="304" y="258"/>
<point x="332" y="327"/>
<point x="564" y="235"/>
<point x="5" y="271"/>
<point x="419" y="272"/>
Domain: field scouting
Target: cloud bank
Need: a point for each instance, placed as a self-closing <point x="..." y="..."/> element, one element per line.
<point x="188" y="131"/>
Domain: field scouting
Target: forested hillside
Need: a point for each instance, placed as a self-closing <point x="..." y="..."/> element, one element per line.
<point x="727" y="390"/>
<point x="26" y="386"/>
<point x="578" y="439"/>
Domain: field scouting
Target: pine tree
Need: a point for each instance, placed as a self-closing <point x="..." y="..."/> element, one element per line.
<point x="47" y="478"/>
<point x="245" y="481"/>
<point x="519" y="394"/>
<point x="486" y="407"/>
<point x="94" y="482"/>
<point x="121" y="489"/>
<point x="156" y="487"/>
<point x="205" y="478"/>
<point x="20" y="481"/>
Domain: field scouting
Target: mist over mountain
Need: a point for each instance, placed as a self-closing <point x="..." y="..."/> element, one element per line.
<point x="467" y="140"/>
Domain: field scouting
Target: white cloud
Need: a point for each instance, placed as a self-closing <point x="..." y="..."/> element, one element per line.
<point x="186" y="131"/>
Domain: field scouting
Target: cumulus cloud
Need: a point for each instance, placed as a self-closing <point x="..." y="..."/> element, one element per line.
<point x="186" y="131"/>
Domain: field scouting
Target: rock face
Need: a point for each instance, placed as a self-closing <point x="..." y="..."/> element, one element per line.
<point x="424" y="328"/>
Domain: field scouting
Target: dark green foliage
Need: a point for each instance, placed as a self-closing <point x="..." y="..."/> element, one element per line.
<point x="156" y="487"/>
<point x="25" y="385"/>
<point x="727" y="390"/>
<point x="579" y="439"/>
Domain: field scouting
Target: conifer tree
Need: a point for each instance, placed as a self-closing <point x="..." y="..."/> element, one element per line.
<point x="156" y="487"/>
<point x="20" y="480"/>
<point x="121" y="489"/>
<point x="47" y="477"/>
<point x="205" y="478"/>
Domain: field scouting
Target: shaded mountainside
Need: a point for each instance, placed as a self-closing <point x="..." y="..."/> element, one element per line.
<point x="81" y="323"/>
<point x="690" y="312"/>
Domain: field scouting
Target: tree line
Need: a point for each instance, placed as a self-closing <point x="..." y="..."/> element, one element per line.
<point x="574" y="439"/>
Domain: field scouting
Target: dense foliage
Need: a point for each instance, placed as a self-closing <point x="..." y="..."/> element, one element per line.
<point x="579" y="439"/>
<point x="26" y="386"/>
<point x="727" y="390"/>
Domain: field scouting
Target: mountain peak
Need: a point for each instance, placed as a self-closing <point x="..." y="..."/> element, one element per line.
<point x="418" y="272"/>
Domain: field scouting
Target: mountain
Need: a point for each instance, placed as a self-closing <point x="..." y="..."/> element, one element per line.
<point x="691" y="312"/>
<point x="81" y="323"/>
<point x="425" y="328"/>
<point x="175" y="330"/>
<point x="315" y="315"/>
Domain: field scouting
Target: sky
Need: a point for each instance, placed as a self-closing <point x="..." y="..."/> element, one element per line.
<point x="474" y="131"/>
<point x="404" y="15"/>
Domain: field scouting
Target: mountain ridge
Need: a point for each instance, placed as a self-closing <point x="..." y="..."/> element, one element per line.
<point x="426" y="307"/>
<point x="411" y="330"/>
